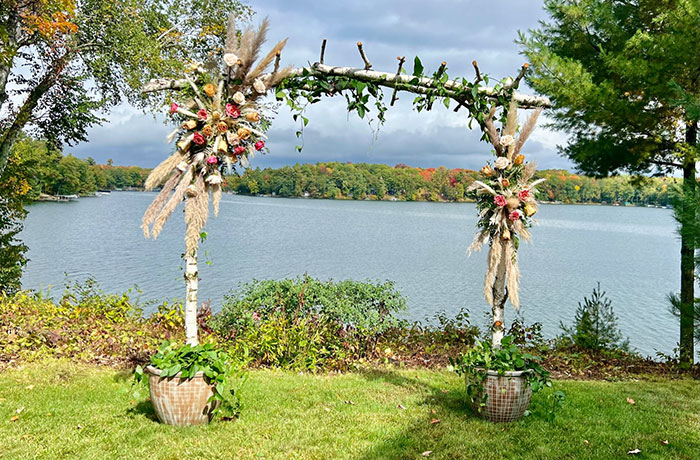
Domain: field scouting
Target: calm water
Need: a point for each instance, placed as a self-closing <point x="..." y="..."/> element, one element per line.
<point x="634" y="252"/>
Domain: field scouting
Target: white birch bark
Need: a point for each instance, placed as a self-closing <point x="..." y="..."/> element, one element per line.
<point x="388" y="79"/>
<point x="192" y="282"/>
<point x="500" y="295"/>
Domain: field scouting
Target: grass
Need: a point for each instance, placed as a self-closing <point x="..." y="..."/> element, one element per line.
<point x="75" y="411"/>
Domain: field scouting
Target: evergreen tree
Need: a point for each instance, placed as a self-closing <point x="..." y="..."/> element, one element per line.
<point x="624" y="80"/>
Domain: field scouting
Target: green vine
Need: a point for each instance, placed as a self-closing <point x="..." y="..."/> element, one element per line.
<point x="366" y="97"/>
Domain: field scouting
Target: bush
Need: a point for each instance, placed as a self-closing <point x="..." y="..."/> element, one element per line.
<point x="86" y="324"/>
<point x="595" y="325"/>
<point x="307" y="323"/>
<point x="431" y="341"/>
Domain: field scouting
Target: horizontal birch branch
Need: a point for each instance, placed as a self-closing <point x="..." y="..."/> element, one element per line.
<point x="387" y="79"/>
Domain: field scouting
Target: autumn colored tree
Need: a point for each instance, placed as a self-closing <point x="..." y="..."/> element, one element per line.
<point x="624" y="80"/>
<point x="69" y="62"/>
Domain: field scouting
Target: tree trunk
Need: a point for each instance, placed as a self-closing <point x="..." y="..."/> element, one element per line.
<point x="500" y="295"/>
<point x="25" y="112"/>
<point x="192" y="282"/>
<point x="687" y="345"/>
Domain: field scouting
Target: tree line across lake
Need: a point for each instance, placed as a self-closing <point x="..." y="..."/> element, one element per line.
<point x="401" y="182"/>
<point x="47" y="171"/>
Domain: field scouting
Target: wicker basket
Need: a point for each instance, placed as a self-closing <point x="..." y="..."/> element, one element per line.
<point x="508" y="396"/>
<point x="179" y="401"/>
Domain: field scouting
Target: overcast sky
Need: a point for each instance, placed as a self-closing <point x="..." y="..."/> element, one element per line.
<point x="453" y="31"/>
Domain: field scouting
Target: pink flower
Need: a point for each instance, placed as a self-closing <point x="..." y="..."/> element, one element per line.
<point x="524" y="195"/>
<point x="212" y="160"/>
<point x="232" y="111"/>
<point x="198" y="139"/>
<point x="256" y="316"/>
<point x="500" y="200"/>
<point x="240" y="150"/>
<point x="515" y="215"/>
<point x="202" y="114"/>
<point x="259" y="145"/>
<point x="173" y="108"/>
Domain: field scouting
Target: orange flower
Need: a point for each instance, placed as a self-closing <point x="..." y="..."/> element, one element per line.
<point x="487" y="171"/>
<point x="252" y="116"/>
<point x="209" y="89"/>
<point x="498" y="324"/>
<point x="207" y="131"/>
<point x="518" y="160"/>
<point x="505" y="182"/>
<point x="222" y="127"/>
<point x="190" y="124"/>
<point x="243" y="133"/>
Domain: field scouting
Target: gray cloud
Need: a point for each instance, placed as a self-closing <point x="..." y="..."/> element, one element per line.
<point x="455" y="31"/>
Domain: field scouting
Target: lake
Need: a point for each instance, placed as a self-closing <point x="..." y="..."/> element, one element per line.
<point x="633" y="252"/>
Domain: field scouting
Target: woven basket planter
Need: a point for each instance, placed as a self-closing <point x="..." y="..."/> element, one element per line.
<point x="178" y="401"/>
<point x="508" y="396"/>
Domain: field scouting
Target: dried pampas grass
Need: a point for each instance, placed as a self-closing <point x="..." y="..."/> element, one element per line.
<point x="196" y="213"/>
<point x="528" y="128"/>
<point x="265" y="62"/>
<point x="161" y="172"/>
<point x="150" y="214"/>
<point x="172" y="203"/>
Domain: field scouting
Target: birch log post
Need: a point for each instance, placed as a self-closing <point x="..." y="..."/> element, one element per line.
<point x="500" y="295"/>
<point x="387" y="79"/>
<point x="192" y="282"/>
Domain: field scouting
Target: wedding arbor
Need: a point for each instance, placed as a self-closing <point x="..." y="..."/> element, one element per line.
<point x="222" y="118"/>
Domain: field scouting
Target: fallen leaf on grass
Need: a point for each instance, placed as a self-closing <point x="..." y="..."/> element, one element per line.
<point x="435" y="421"/>
<point x="664" y="442"/>
<point x="630" y="400"/>
<point x="445" y="391"/>
<point x="326" y="409"/>
<point x="14" y="418"/>
<point x="79" y="427"/>
<point x="29" y="387"/>
<point x="427" y="453"/>
<point x="585" y="441"/>
<point x="634" y="452"/>
<point x="19" y="411"/>
<point x="433" y="411"/>
<point x="400" y="406"/>
<point x="350" y="402"/>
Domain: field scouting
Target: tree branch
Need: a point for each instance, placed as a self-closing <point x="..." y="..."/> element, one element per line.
<point x="403" y="82"/>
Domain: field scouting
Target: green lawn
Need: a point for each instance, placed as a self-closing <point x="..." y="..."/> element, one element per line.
<point x="80" y="412"/>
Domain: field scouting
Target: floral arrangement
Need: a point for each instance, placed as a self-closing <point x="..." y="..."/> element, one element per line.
<point x="505" y="200"/>
<point x="221" y="124"/>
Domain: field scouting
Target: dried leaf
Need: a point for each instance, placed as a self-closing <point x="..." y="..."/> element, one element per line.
<point x="445" y="391"/>
<point x="630" y="400"/>
<point x="433" y="411"/>
<point x="427" y="453"/>
<point x="19" y="411"/>
<point x="435" y="421"/>
<point x="14" y="418"/>
<point x="326" y="409"/>
<point x="664" y="442"/>
<point x="350" y="402"/>
<point x="585" y="441"/>
<point x="400" y="406"/>
<point x="29" y="387"/>
<point x="79" y="427"/>
<point x="634" y="452"/>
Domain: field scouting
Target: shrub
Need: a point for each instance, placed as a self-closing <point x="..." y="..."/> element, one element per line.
<point x="595" y="325"/>
<point x="305" y="322"/>
<point x="86" y="324"/>
<point x="431" y="341"/>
